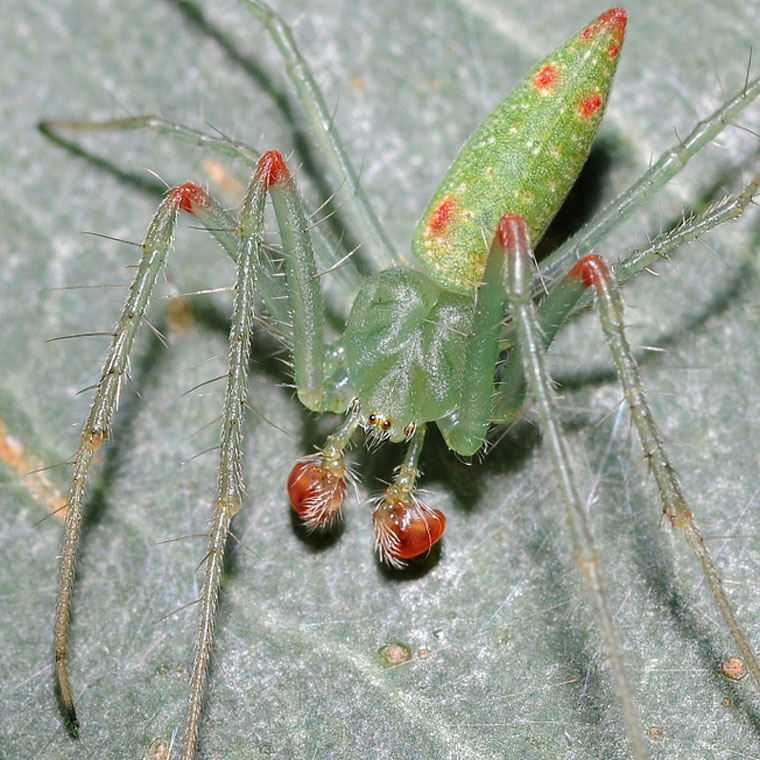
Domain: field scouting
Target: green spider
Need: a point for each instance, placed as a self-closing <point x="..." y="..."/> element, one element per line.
<point x="420" y="347"/>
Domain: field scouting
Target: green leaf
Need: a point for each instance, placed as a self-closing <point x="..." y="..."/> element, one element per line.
<point x="506" y="661"/>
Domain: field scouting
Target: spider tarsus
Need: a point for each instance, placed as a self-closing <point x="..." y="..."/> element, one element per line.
<point x="71" y="714"/>
<point x="317" y="492"/>
<point x="405" y="529"/>
<point x="317" y="484"/>
<point x="64" y="692"/>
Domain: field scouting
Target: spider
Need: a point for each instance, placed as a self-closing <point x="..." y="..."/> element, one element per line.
<point x="188" y="200"/>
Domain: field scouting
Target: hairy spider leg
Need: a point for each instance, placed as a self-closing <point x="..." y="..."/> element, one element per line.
<point x="306" y="340"/>
<point x="229" y="499"/>
<point x="592" y="271"/>
<point x="97" y="427"/>
<point x="511" y="243"/>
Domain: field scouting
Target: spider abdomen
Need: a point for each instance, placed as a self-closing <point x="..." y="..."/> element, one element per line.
<point x="523" y="159"/>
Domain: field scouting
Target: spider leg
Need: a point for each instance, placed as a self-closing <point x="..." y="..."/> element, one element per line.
<point x="229" y="497"/>
<point x="465" y="434"/>
<point x="512" y="242"/>
<point x="305" y="338"/>
<point x="225" y="146"/>
<point x="592" y="271"/>
<point x="97" y="427"/>
<point x="360" y="216"/>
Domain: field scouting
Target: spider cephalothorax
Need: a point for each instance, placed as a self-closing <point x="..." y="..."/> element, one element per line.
<point x="421" y="347"/>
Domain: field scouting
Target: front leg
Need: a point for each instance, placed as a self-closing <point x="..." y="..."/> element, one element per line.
<point x="306" y="340"/>
<point x="512" y="242"/>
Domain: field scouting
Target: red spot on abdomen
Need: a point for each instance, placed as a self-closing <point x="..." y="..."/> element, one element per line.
<point x="188" y="196"/>
<point x="614" y="20"/>
<point x="545" y="80"/>
<point x="442" y="216"/>
<point x="272" y="169"/>
<point x="590" y="270"/>
<point x="590" y="105"/>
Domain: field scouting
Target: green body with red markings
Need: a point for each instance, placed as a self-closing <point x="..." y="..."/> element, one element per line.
<point x="524" y="157"/>
<point x="422" y="346"/>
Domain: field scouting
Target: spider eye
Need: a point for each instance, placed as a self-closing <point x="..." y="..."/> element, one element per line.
<point x="316" y="494"/>
<point x="372" y="418"/>
<point x="405" y="530"/>
<point x="386" y="424"/>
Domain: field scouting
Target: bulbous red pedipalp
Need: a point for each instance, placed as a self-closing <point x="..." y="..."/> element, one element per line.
<point x="405" y="530"/>
<point x="316" y="495"/>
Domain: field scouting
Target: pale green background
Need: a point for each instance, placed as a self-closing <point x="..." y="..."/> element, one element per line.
<point x="514" y="668"/>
